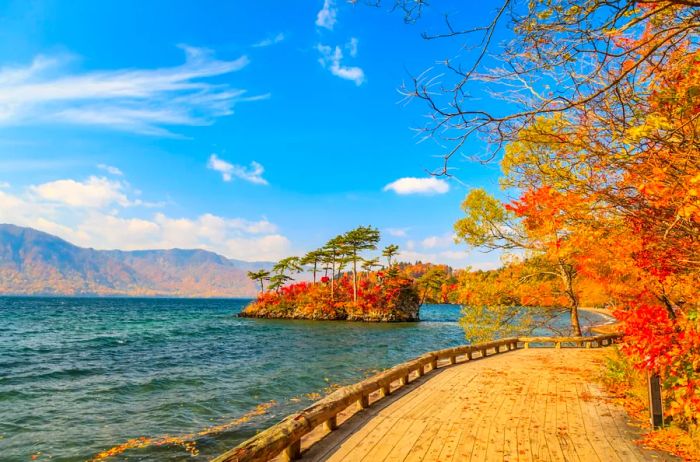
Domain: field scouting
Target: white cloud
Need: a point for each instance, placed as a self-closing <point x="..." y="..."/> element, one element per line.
<point x="327" y="16"/>
<point x="331" y="58"/>
<point x="144" y="101"/>
<point x="4" y="185"/>
<point x="411" y="185"/>
<point x="351" y="46"/>
<point x="110" y="169"/>
<point x="432" y="242"/>
<point x="397" y="232"/>
<point x="252" y="174"/>
<point x="105" y="227"/>
<point x="94" y="192"/>
<point x="454" y="254"/>
<point x="271" y="247"/>
<point x="270" y="41"/>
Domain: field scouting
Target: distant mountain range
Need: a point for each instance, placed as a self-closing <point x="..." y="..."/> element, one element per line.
<point x="36" y="263"/>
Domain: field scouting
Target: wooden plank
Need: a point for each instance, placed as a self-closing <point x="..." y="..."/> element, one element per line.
<point x="423" y="442"/>
<point x="472" y="414"/>
<point x="563" y="431"/>
<point x="383" y="446"/>
<point x="356" y="444"/>
<point x="595" y="432"/>
<point x="528" y="405"/>
<point x="482" y="427"/>
<point x="405" y="444"/>
<point x="620" y="446"/>
<point x="521" y="417"/>
<point x="577" y="430"/>
<point x="538" y="441"/>
<point x="508" y="420"/>
<point x="449" y="445"/>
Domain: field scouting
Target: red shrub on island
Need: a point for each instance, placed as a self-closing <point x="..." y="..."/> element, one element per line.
<point x="379" y="298"/>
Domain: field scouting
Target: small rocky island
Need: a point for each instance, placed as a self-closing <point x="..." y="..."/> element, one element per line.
<point x="379" y="299"/>
<point x="349" y="289"/>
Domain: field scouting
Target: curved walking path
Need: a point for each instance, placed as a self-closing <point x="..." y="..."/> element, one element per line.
<point x="537" y="404"/>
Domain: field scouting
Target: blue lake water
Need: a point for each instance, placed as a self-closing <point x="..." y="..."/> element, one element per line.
<point x="81" y="375"/>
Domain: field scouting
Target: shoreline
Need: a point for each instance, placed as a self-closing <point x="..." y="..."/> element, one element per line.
<point x="611" y="324"/>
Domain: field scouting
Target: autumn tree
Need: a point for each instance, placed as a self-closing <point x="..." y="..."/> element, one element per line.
<point x="313" y="258"/>
<point x="288" y="265"/>
<point x="531" y="224"/>
<point x="431" y="284"/>
<point x="369" y="264"/>
<point x="563" y="57"/>
<point x="357" y="240"/>
<point x="599" y="142"/>
<point x="260" y="277"/>
<point x="389" y="252"/>
<point x="278" y="280"/>
<point x="281" y="268"/>
<point x="333" y="252"/>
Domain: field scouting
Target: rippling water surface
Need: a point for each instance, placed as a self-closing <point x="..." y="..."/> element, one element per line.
<point x="81" y="375"/>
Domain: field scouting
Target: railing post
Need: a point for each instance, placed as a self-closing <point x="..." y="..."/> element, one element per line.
<point x="386" y="390"/>
<point x="526" y="345"/>
<point x="469" y="355"/>
<point x="404" y="379"/>
<point x="421" y="372"/>
<point x="656" y="412"/>
<point x="332" y="423"/>
<point x="433" y="363"/>
<point x="557" y="345"/>
<point x="363" y="401"/>
<point x="453" y="360"/>
<point x="293" y="451"/>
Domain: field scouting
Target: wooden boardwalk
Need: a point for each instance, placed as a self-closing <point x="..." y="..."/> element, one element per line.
<point x="527" y="405"/>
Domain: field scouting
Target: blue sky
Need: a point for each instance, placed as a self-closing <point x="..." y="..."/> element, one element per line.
<point x="253" y="129"/>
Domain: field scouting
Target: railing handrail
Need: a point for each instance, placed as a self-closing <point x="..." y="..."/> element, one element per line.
<point x="287" y="434"/>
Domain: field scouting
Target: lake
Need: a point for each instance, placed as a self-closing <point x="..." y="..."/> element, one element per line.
<point x="82" y="375"/>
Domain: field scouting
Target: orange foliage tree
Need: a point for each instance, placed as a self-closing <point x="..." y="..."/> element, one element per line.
<point x="603" y="155"/>
<point x="626" y="190"/>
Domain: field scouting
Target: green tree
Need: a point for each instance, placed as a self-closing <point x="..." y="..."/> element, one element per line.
<point x="368" y="265"/>
<point x="332" y="252"/>
<point x="278" y="280"/>
<point x="389" y="252"/>
<point x="288" y="265"/>
<point x="314" y="258"/>
<point x="431" y="283"/>
<point x="281" y="268"/>
<point x="260" y="276"/>
<point x="357" y="240"/>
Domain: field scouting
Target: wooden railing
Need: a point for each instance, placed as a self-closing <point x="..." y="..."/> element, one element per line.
<point x="286" y="435"/>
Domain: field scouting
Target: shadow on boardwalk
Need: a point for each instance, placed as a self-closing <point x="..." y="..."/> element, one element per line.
<point x="527" y="405"/>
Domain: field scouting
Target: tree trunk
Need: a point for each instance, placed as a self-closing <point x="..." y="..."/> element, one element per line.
<point x="354" y="278"/>
<point x="568" y="279"/>
<point x="332" y="278"/>
<point x="575" y="325"/>
<point x="315" y="273"/>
